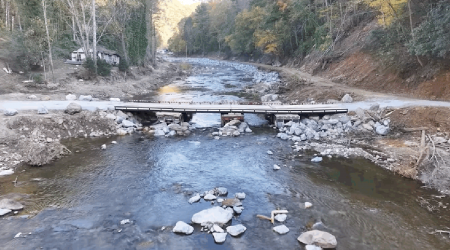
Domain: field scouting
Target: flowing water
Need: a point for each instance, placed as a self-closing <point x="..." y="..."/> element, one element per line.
<point x="79" y="201"/>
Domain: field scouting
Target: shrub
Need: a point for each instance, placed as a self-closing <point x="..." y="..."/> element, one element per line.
<point x="89" y="65"/>
<point x="123" y="65"/>
<point x="38" y="79"/>
<point x="103" y="68"/>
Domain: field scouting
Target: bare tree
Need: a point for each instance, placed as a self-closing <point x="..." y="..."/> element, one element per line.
<point x="50" y="57"/>
<point x="94" y="36"/>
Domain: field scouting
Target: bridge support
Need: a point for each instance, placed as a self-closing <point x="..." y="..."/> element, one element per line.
<point x="170" y="117"/>
<point x="227" y="117"/>
<point x="279" y="119"/>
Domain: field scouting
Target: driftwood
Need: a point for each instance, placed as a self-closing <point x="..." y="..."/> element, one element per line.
<point x="414" y="129"/>
<point x="422" y="148"/>
<point x="272" y="215"/>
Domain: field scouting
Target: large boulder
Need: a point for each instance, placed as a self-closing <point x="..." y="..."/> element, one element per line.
<point x="73" y="108"/>
<point x="182" y="227"/>
<point x="382" y="130"/>
<point x="87" y="98"/>
<point x="10" y="204"/>
<point x="42" y="111"/>
<point x="127" y="124"/>
<point x="10" y="112"/>
<point x="347" y="99"/>
<point x="71" y="97"/>
<point x="318" y="238"/>
<point x="212" y="215"/>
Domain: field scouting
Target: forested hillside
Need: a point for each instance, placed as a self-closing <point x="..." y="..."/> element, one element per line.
<point x="36" y="32"/>
<point x="408" y="40"/>
<point x="170" y="15"/>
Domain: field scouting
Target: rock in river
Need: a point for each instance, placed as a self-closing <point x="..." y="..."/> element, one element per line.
<point x="42" y="111"/>
<point x="312" y="247"/>
<point x="280" y="217"/>
<point x="220" y="237"/>
<point x="10" y="204"/>
<point x="231" y="202"/>
<point x="73" y="108"/>
<point x="209" y="197"/>
<point x="212" y="215"/>
<point x="236" y="230"/>
<point x="221" y="191"/>
<point x="194" y="198"/>
<point x="318" y="238"/>
<point x="182" y="227"/>
<point x="127" y="124"/>
<point x="276" y="167"/>
<point x="282" y="229"/>
<point x="217" y="229"/>
<point x="4" y="211"/>
<point x="240" y="196"/>
<point x="316" y="159"/>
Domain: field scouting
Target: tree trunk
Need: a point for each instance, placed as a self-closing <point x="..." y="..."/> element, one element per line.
<point x="124" y="47"/>
<point x="50" y="57"/>
<point x="94" y="35"/>
<point x="20" y="24"/>
<point x="412" y="30"/>
<point x="73" y="29"/>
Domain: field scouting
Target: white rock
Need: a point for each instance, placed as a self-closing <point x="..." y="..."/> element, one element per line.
<point x="217" y="229"/>
<point x="220" y="237"/>
<point x="10" y="112"/>
<point x="194" y="198"/>
<point x="114" y="142"/>
<point x="213" y="215"/>
<point x="382" y="130"/>
<point x="238" y="210"/>
<point x="121" y="131"/>
<point x="248" y="130"/>
<point x="127" y="124"/>
<point x="10" y="204"/>
<point x="126" y="221"/>
<point x="4" y="172"/>
<point x="209" y="197"/>
<point x="240" y="196"/>
<point x="276" y="167"/>
<point x="308" y="204"/>
<point x="32" y="97"/>
<point x="219" y="200"/>
<point x="282" y="229"/>
<point x="182" y="227"/>
<point x="216" y="137"/>
<point x="316" y="159"/>
<point x="347" y="99"/>
<point x="4" y="211"/>
<point x="280" y="217"/>
<point x="312" y="247"/>
<point x="18" y="235"/>
<point x="104" y="146"/>
<point x="71" y="97"/>
<point x="221" y="191"/>
<point x="111" y="116"/>
<point x="42" y="111"/>
<point x="85" y="98"/>
<point x="114" y="99"/>
<point x="159" y="132"/>
<point x="318" y="238"/>
<point x="269" y="152"/>
<point x="236" y="230"/>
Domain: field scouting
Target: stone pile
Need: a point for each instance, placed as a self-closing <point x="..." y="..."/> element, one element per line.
<point x="233" y="128"/>
<point x="330" y="127"/>
<point x="125" y="123"/>
<point x="215" y="220"/>
<point x="164" y="129"/>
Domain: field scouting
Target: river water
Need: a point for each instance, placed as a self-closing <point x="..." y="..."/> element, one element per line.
<point x="79" y="201"/>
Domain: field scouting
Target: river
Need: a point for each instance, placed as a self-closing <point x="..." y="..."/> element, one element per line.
<point x="79" y="201"/>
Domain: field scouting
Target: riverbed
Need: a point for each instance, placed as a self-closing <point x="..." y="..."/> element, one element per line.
<point x="79" y="201"/>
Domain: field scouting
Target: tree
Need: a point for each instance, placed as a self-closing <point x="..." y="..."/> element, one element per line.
<point x="44" y="9"/>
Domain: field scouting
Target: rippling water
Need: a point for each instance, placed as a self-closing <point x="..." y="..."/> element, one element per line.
<point x="149" y="181"/>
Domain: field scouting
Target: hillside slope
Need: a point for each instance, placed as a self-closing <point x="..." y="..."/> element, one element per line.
<point x="171" y="14"/>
